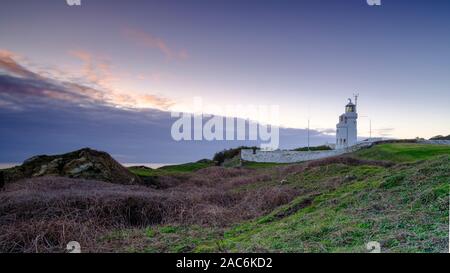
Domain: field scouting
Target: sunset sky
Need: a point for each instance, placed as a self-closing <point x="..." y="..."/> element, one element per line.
<point x="307" y="57"/>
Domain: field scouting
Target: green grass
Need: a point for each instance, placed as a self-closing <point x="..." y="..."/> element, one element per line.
<point x="405" y="152"/>
<point x="340" y="209"/>
<point x="402" y="209"/>
<point x="172" y="169"/>
<point x="168" y="229"/>
<point x="316" y="148"/>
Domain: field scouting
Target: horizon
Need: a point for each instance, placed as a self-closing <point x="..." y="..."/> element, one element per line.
<point x="107" y="74"/>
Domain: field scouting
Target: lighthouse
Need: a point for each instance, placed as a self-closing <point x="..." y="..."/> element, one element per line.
<point x="346" y="129"/>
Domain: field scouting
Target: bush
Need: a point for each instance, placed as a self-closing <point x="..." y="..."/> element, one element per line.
<point x="317" y="148"/>
<point x="440" y="137"/>
<point x="220" y="157"/>
<point x="44" y="214"/>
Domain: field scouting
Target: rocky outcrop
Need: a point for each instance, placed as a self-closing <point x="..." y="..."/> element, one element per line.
<point x="85" y="163"/>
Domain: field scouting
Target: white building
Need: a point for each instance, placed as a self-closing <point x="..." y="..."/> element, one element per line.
<point x="346" y="129"/>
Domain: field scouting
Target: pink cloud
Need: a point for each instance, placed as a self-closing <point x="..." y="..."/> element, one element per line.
<point x="98" y="73"/>
<point x="147" y="40"/>
<point x="8" y="64"/>
<point x="96" y="70"/>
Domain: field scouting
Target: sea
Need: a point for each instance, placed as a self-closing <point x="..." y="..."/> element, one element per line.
<point x="150" y="165"/>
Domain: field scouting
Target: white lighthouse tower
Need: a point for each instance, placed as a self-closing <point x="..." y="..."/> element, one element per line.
<point x="346" y="129"/>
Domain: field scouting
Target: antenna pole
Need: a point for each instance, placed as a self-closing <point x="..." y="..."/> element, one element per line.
<point x="356" y="98"/>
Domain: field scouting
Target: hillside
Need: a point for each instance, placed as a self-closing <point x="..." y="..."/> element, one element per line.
<point x="396" y="194"/>
<point x="343" y="206"/>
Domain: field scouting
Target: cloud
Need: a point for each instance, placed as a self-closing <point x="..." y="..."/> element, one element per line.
<point x="327" y="131"/>
<point x="46" y="126"/>
<point x="9" y="65"/>
<point x="95" y="70"/>
<point x="155" y="100"/>
<point x="384" y="132"/>
<point x="18" y="83"/>
<point x="147" y="40"/>
<point x="22" y="93"/>
<point x="42" y="115"/>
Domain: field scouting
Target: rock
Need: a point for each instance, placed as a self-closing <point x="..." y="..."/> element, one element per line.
<point x="85" y="163"/>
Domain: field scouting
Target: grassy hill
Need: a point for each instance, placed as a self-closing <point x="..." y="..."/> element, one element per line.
<point x="404" y="152"/>
<point x="404" y="206"/>
<point x="396" y="194"/>
<point x="171" y="169"/>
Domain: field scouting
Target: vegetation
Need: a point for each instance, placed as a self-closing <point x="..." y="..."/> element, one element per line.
<point x="403" y="152"/>
<point x="229" y="154"/>
<point x="396" y="194"/>
<point x="316" y="148"/>
<point x="440" y="137"/>
<point x="405" y="208"/>
<point x="259" y="165"/>
<point x="401" y="208"/>
<point x="171" y="169"/>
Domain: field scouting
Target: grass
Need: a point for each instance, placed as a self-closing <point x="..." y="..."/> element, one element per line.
<point x="316" y="148"/>
<point x="330" y="205"/>
<point x="260" y="165"/>
<point x="176" y="239"/>
<point x="404" y="152"/>
<point x="171" y="169"/>
<point x="342" y="207"/>
<point x="185" y="239"/>
<point x="402" y="209"/>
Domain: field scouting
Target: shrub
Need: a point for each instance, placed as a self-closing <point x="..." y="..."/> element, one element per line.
<point x="220" y="157"/>
<point x="317" y="148"/>
<point x="44" y="214"/>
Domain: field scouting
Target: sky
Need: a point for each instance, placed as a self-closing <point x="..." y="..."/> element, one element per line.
<point x="126" y="59"/>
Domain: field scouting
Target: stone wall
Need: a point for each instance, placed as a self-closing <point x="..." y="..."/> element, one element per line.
<point x="281" y="156"/>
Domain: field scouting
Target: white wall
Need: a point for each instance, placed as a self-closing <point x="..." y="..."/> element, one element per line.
<point x="287" y="156"/>
<point x="281" y="156"/>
